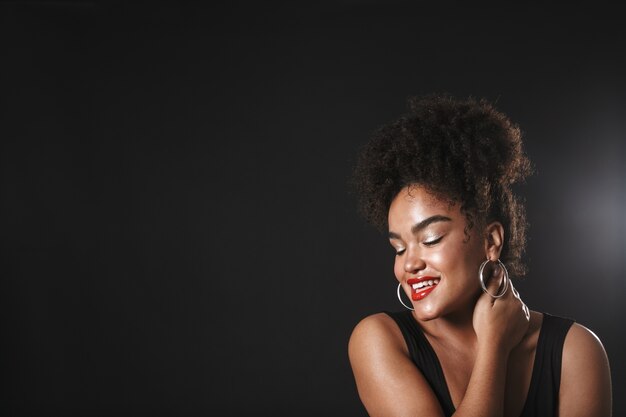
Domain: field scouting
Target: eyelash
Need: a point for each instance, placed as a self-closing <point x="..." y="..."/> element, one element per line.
<point x="427" y="244"/>
<point x="432" y="242"/>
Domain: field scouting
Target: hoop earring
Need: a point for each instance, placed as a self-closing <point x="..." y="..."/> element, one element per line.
<point x="505" y="283"/>
<point x="400" y="298"/>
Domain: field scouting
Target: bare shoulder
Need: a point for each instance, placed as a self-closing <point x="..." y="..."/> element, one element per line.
<point x="384" y="371"/>
<point x="580" y="338"/>
<point x="582" y="348"/>
<point x="374" y="333"/>
<point x="585" y="375"/>
<point x="376" y="339"/>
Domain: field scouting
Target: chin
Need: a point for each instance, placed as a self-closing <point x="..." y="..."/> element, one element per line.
<point x="426" y="313"/>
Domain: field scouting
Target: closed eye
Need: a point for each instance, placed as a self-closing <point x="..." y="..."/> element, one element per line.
<point x="400" y="252"/>
<point x="432" y="242"/>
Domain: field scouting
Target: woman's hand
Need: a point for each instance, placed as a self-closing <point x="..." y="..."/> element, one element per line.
<point x="502" y="322"/>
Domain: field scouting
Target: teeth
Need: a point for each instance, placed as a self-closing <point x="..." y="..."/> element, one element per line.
<point x="423" y="284"/>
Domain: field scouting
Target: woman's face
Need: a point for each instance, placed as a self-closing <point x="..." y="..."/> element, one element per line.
<point x="436" y="261"/>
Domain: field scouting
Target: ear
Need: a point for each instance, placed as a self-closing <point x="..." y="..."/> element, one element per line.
<point x="494" y="239"/>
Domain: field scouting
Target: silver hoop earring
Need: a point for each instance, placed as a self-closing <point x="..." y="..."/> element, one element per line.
<point x="505" y="279"/>
<point x="400" y="298"/>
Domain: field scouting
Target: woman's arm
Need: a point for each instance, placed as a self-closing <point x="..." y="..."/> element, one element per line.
<point x="585" y="377"/>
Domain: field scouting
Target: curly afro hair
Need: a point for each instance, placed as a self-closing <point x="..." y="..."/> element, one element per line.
<point x="462" y="150"/>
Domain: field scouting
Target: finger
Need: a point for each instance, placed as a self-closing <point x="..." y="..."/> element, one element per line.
<point x="514" y="291"/>
<point x="526" y="311"/>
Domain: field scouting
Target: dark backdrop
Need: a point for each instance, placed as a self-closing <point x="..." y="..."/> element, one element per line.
<point x="177" y="233"/>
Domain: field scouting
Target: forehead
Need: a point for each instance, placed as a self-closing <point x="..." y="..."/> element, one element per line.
<point x="415" y="203"/>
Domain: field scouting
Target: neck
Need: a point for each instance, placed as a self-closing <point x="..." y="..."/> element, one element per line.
<point x="453" y="328"/>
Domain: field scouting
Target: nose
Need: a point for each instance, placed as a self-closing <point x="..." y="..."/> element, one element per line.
<point x="413" y="262"/>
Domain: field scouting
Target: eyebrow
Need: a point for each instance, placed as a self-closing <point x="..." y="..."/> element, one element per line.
<point x="422" y="225"/>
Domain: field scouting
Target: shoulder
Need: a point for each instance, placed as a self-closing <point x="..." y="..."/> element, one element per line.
<point x="374" y="333"/>
<point x="580" y="337"/>
<point x="582" y="348"/>
<point x="383" y="369"/>
<point x="585" y="375"/>
<point x="581" y="342"/>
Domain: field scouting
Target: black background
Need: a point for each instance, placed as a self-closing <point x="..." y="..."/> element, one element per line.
<point x="178" y="237"/>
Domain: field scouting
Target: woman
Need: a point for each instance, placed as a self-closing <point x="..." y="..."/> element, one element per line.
<point x="439" y="180"/>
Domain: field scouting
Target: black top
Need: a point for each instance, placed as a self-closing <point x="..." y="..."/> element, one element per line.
<point x="543" y="393"/>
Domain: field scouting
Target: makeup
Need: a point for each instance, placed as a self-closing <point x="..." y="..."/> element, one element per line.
<point x="422" y="286"/>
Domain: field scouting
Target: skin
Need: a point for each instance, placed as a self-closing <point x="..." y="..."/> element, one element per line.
<point x="486" y="346"/>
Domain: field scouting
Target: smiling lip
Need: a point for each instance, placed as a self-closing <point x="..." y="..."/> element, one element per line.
<point x="421" y="293"/>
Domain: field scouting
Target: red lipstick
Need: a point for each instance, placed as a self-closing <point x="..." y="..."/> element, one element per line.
<point x="429" y="284"/>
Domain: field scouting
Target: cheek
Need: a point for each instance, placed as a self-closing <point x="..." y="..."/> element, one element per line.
<point x="439" y="259"/>
<point x="473" y="256"/>
<point x="450" y="260"/>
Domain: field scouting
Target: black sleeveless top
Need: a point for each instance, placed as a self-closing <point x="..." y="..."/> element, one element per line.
<point x="543" y="393"/>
